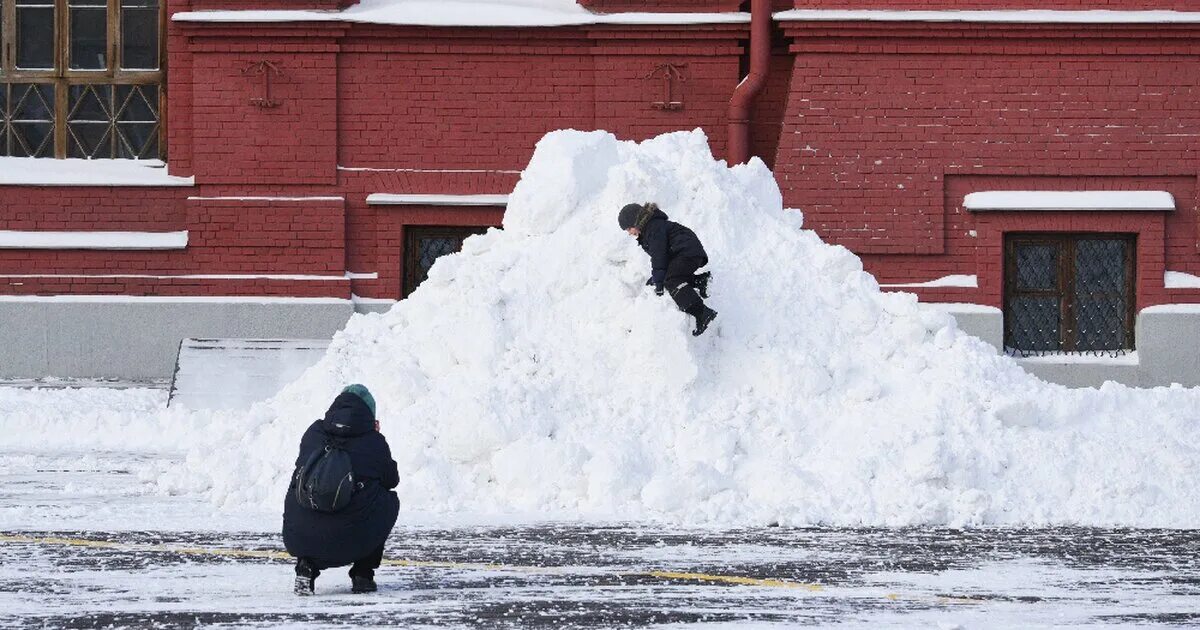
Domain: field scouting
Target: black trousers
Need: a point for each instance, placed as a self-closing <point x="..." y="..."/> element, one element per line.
<point x="681" y="273"/>
<point x="363" y="566"/>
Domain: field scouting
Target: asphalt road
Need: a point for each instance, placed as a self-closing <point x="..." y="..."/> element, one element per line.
<point x="578" y="576"/>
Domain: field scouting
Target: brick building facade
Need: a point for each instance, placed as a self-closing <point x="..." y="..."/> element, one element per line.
<point x="314" y="147"/>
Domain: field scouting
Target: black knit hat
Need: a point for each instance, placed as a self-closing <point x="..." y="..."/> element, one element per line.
<point x="629" y="215"/>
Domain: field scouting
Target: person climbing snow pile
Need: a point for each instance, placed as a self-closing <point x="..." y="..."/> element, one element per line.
<point x="340" y="506"/>
<point x="675" y="255"/>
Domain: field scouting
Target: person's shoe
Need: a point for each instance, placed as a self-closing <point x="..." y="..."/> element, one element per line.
<point x="304" y="585"/>
<point x="703" y="319"/>
<point x="306" y="577"/>
<point x="362" y="584"/>
<point x="701" y="283"/>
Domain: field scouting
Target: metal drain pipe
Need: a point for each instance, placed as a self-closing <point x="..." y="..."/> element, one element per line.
<point x="743" y="97"/>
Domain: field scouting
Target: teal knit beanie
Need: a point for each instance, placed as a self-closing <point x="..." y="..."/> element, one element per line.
<point x="362" y="392"/>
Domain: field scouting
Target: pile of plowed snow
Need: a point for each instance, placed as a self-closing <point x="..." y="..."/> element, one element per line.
<point x="535" y="372"/>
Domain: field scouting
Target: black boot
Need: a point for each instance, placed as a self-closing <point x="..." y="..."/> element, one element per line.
<point x="306" y="577"/>
<point x="704" y="316"/>
<point x="700" y="281"/>
<point x="362" y="584"/>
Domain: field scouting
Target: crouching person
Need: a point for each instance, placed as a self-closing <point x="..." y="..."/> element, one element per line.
<point x="340" y="506"/>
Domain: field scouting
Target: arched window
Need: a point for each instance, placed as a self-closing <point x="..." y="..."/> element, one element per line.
<point x="81" y="78"/>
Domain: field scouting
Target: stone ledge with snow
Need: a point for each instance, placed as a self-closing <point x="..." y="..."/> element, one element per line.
<point x="473" y="13"/>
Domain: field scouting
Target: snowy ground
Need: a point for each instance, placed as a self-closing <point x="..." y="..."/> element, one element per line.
<point x="83" y="544"/>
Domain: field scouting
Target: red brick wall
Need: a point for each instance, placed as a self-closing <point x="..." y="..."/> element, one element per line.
<point x="267" y="236"/>
<point x="65" y="208"/>
<point x="882" y="128"/>
<point x="876" y="132"/>
<point x="238" y="237"/>
<point x="482" y="99"/>
<point x="233" y="140"/>
<point x="418" y="104"/>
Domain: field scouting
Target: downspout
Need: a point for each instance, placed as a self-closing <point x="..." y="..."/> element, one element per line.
<point x="748" y="90"/>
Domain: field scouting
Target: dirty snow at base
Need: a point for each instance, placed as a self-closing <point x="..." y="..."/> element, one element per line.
<point x="535" y="373"/>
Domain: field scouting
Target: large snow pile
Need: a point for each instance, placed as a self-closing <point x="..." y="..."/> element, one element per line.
<point x="535" y="373"/>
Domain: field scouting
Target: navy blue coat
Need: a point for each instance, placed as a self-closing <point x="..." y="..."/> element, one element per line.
<point x="665" y="240"/>
<point x="338" y="539"/>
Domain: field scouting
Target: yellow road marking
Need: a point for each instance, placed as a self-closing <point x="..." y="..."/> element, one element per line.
<point x="734" y="579"/>
<point x="282" y="555"/>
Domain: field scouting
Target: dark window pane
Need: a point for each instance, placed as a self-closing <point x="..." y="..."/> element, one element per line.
<point x="89" y="38"/>
<point x="1100" y="265"/>
<point x="90" y="103"/>
<point x="1100" y="323"/>
<point x="29" y="114"/>
<point x="35" y="37"/>
<point x="1101" y="306"/>
<point x="90" y="121"/>
<point x="137" y="103"/>
<point x="1037" y="266"/>
<point x="137" y="121"/>
<point x="32" y="139"/>
<point x="1035" y="323"/>
<point x="89" y="140"/>
<point x="32" y="102"/>
<point x="137" y="140"/>
<point x="139" y="38"/>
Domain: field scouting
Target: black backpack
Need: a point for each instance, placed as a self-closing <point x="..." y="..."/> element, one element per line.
<point x="325" y="482"/>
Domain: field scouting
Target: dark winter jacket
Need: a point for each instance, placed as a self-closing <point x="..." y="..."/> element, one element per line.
<point x="666" y="240"/>
<point x="338" y="539"/>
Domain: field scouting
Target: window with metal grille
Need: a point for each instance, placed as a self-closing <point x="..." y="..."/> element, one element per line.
<point x="424" y="245"/>
<point x="81" y="78"/>
<point x="1069" y="293"/>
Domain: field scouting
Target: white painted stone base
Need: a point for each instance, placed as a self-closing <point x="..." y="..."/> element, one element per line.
<point x="136" y="339"/>
<point x="1167" y="339"/>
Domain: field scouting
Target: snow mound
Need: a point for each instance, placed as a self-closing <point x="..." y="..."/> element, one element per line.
<point x="535" y="373"/>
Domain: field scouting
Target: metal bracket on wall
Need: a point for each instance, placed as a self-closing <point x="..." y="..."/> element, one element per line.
<point x="671" y="73"/>
<point x="265" y="68"/>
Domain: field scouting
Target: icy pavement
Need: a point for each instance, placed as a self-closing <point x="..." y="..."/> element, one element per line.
<point x="81" y="546"/>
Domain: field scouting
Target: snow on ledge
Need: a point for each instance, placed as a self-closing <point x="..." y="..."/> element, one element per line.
<point x="372" y="301"/>
<point x="1180" y="280"/>
<point x="1004" y="17"/>
<point x="299" y="199"/>
<point x="382" y="199"/>
<point x="38" y="239"/>
<point x="166" y="299"/>
<point x="1172" y="309"/>
<point x="964" y="308"/>
<point x="1129" y="358"/>
<point x="76" y="172"/>
<point x="1054" y="200"/>
<point x="482" y="13"/>
<point x="191" y="276"/>
<point x="955" y="281"/>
